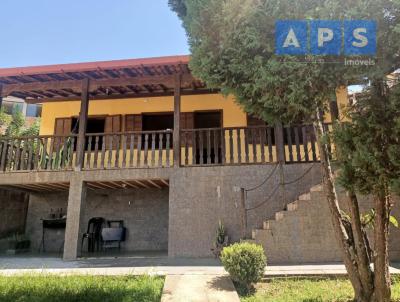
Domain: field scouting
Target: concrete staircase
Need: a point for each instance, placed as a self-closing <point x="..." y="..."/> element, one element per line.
<point x="302" y="233"/>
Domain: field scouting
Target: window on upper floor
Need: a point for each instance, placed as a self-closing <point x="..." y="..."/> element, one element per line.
<point x="33" y="110"/>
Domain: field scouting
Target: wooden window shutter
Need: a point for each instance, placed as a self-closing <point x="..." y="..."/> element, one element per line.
<point x="133" y="123"/>
<point x="187" y="123"/>
<point x="112" y="125"/>
<point x="187" y="120"/>
<point x="254" y="135"/>
<point x="254" y="121"/>
<point x="63" y="126"/>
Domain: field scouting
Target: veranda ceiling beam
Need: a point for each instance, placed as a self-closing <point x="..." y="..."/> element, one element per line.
<point x="168" y="80"/>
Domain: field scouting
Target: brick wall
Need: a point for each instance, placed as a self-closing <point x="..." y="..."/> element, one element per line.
<point x="13" y="207"/>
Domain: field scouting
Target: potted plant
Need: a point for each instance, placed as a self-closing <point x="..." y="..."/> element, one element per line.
<point x="221" y="240"/>
<point x="18" y="243"/>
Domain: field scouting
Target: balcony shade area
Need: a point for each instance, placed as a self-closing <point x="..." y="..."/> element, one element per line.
<point x="108" y="80"/>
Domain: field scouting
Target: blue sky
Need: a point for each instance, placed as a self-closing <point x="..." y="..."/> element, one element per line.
<point x="38" y="32"/>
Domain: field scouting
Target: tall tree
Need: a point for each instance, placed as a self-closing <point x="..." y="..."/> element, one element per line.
<point x="233" y="48"/>
<point x="368" y="150"/>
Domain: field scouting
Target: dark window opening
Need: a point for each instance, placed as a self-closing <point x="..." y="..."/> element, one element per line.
<point x="204" y="120"/>
<point x="157" y="122"/>
<point x="212" y="119"/>
<point x="94" y="125"/>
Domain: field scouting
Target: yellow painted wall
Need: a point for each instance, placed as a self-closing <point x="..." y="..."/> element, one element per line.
<point x="233" y="116"/>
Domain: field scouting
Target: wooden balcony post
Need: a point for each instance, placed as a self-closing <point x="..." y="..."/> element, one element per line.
<point x="280" y="152"/>
<point x="177" y="123"/>
<point x="279" y="143"/>
<point x="83" y="116"/>
<point x="1" y="95"/>
<point x="334" y="109"/>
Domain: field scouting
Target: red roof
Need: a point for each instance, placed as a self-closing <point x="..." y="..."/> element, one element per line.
<point x="109" y="79"/>
<point x="88" y="66"/>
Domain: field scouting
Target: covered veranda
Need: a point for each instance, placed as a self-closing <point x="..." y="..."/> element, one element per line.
<point x="139" y="206"/>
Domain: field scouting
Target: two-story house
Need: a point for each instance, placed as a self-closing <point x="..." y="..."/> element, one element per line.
<point x="145" y="142"/>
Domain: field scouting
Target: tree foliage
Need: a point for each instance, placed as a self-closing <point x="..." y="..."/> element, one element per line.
<point x="16" y="125"/>
<point x="368" y="147"/>
<point x="233" y="48"/>
<point x="5" y="119"/>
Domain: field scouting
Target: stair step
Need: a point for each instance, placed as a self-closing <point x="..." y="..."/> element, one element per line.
<point x="317" y="188"/>
<point x="292" y="206"/>
<point x="248" y="240"/>
<point x="279" y="215"/>
<point x="306" y="196"/>
<point x="267" y="225"/>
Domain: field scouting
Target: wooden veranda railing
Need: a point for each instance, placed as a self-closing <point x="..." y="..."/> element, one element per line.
<point x="37" y="153"/>
<point x="154" y="149"/>
<point x="248" y="145"/>
<point x="145" y="149"/>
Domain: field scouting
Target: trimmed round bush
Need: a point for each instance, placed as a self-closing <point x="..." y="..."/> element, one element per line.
<point x="245" y="262"/>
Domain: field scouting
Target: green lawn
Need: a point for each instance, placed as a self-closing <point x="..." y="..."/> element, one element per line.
<point x="308" y="290"/>
<point x="35" y="288"/>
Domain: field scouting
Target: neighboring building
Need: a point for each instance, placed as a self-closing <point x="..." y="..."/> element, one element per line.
<point x="145" y="142"/>
<point x="31" y="112"/>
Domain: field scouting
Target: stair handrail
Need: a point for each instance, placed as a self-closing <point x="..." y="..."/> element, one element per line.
<point x="264" y="181"/>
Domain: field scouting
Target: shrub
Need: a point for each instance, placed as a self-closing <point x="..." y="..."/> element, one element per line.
<point x="245" y="262"/>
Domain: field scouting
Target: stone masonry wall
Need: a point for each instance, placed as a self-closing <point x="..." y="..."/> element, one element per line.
<point x="13" y="211"/>
<point x="144" y="211"/>
<point x="304" y="233"/>
<point x="201" y="196"/>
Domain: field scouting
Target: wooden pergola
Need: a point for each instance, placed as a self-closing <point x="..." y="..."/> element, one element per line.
<point x="136" y="78"/>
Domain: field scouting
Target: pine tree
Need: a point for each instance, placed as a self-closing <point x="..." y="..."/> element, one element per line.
<point x="233" y="48"/>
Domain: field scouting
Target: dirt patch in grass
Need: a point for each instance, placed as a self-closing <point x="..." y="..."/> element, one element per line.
<point x="40" y="288"/>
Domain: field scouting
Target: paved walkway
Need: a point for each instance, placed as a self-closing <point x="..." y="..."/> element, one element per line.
<point x="155" y="266"/>
<point x="199" y="288"/>
<point x="184" y="277"/>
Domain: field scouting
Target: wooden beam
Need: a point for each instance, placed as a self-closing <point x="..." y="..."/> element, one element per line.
<point x="130" y="185"/>
<point x="106" y="185"/>
<point x="92" y="185"/>
<point x="141" y="183"/>
<point x="58" y="186"/>
<point x="34" y="187"/>
<point x="154" y="184"/>
<point x="118" y="185"/>
<point x="83" y="117"/>
<point x="47" y="186"/>
<point x="123" y="96"/>
<point x="165" y="182"/>
<point x="167" y="80"/>
<point x="24" y="187"/>
<point x="1" y="95"/>
<point x="177" y="120"/>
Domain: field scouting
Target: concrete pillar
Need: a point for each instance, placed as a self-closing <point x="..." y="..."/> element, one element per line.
<point x="76" y="202"/>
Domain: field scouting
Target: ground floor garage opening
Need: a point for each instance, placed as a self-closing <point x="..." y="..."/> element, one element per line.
<point x="117" y="219"/>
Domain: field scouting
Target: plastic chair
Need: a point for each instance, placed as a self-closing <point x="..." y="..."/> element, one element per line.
<point x="93" y="234"/>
